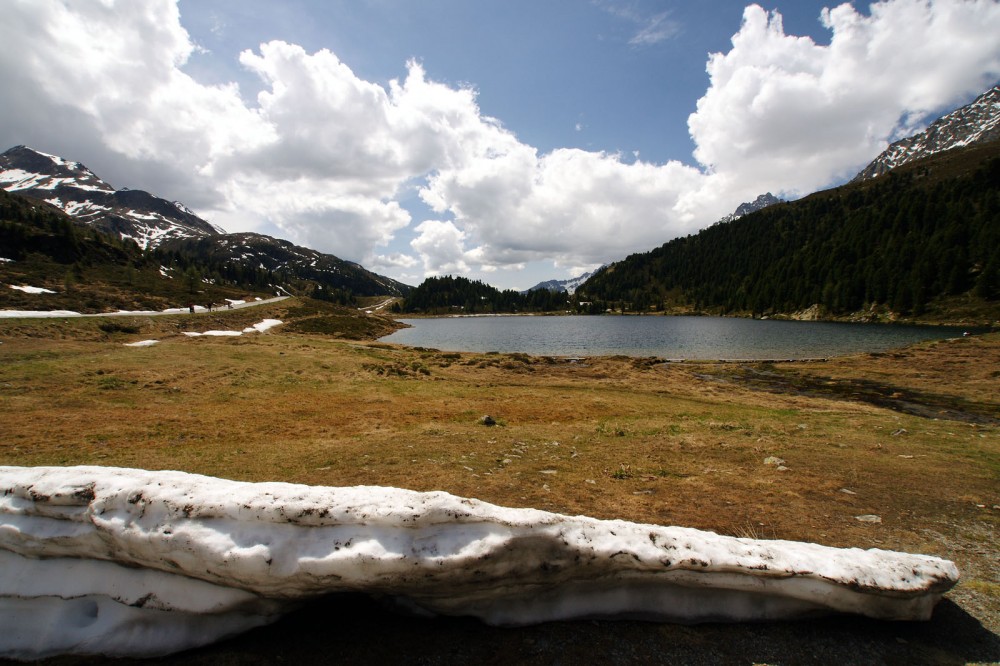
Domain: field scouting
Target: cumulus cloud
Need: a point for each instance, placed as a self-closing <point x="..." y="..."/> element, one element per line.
<point x="106" y="77"/>
<point x="441" y="244"/>
<point x="784" y="112"/>
<point x="324" y="156"/>
<point x="575" y="207"/>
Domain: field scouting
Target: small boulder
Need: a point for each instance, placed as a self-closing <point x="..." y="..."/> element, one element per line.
<point x="488" y="420"/>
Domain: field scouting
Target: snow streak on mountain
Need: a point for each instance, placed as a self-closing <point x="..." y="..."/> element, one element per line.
<point x="978" y="122"/>
<point x="73" y="188"/>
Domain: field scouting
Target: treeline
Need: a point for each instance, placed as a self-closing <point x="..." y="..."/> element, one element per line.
<point x="47" y="246"/>
<point x="39" y="233"/>
<point x="258" y="259"/>
<point x="29" y="228"/>
<point x="218" y="271"/>
<point x="902" y="240"/>
<point x="451" y="295"/>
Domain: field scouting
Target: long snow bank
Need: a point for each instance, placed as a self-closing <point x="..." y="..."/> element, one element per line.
<point x="259" y="327"/>
<point x="132" y="562"/>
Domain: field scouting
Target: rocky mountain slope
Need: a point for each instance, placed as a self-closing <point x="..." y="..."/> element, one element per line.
<point x="157" y="224"/>
<point x="569" y="286"/>
<point x="245" y="252"/>
<point x="760" y="203"/>
<point x="72" y="187"/>
<point x="978" y="122"/>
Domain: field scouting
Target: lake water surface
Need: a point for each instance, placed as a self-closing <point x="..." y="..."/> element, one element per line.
<point x="665" y="337"/>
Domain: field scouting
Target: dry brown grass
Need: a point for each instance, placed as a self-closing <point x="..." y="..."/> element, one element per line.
<point x="608" y="437"/>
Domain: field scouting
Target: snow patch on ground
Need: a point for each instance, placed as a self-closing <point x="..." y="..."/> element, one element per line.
<point x="142" y="343"/>
<point x="259" y="327"/>
<point x="262" y="326"/>
<point x="217" y="334"/>
<point x="132" y="562"/>
<point x="32" y="290"/>
<point x="37" y="314"/>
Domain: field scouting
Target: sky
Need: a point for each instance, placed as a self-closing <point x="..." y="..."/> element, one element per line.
<point x="511" y="141"/>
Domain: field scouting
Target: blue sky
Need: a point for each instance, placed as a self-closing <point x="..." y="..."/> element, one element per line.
<point x="511" y="141"/>
<point x="611" y="76"/>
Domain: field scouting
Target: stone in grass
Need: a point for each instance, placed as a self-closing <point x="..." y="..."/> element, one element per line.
<point x="773" y="460"/>
<point x="869" y="518"/>
<point x="488" y="420"/>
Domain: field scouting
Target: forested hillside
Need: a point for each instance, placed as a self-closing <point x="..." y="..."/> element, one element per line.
<point x="86" y="270"/>
<point x="458" y="295"/>
<point x="911" y="238"/>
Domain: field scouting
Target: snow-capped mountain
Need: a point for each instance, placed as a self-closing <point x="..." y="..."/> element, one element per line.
<point x="264" y="253"/>
<point x="978" y="122"/>
<point x="569" y="286"/>
<point x="72" y="187"/>
<point x="762" y="201"/>
<point x="153" y="222"/>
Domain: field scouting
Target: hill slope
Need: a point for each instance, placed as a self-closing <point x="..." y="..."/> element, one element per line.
<point x="50" y="262"/>
<point x="77" y="191"/>
<point x="238" y="256"/>
<point x="909" y="240"/>
<point x="181" y="236"/>
<point x="978" y="122"/>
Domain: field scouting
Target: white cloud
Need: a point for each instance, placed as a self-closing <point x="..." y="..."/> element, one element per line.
<point x="650" y="28"/>
<point x="394" y="260"/>
<point x="574" y="207"/>
<point x="324" y="156"/>
<point x="442" y="247"/>
<point x="783" y="112"/>
<point x="655" y="29"/>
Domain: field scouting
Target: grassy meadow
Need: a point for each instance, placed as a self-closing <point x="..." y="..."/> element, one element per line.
<point x="789" y="451"/>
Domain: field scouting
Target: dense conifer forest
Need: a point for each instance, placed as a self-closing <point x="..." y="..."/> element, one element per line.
<point x="92" y="271"/>
<point x="458" y="295"/>
<point x="914" y="236"/>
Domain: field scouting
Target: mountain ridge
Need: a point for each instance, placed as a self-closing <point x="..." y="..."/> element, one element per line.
<point x="974" y="123"/>
<point x="568" y="285"/>
<point x="76" y="190"/>
<point x="923" y="238"/>
<point x="761" y="202"/>
<point x="157" y="224"/>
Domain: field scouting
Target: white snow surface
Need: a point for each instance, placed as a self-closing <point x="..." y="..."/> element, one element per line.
<point x="214" y="334"/>
<point x="32" y="290"/>
<point x="142" y="343"/>
<point x="262" y="326"/>
<point x="98" y="560"/>
<point x="37" y="314"/>
<point x="259" y="327"/>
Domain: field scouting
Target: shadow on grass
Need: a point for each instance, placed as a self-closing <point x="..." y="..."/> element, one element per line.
<point x="900" y="399"/>
<point x="348" y="629"/>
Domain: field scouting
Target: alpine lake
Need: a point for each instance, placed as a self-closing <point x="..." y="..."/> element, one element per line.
<point x="674" y="337"/>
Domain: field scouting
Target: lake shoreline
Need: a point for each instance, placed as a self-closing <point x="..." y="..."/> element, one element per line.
<point x="673" y="338"/>
<point x="692" y="444"/>
<point x="987" y="321"/>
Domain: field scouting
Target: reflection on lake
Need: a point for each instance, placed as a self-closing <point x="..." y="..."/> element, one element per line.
<point x="665" y="337"/>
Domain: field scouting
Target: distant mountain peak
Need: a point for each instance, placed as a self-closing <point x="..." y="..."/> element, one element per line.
<point x="978" y="122"/>
<point x="569" y="286"/>
<point x="76" y="190"/>
<point x="761" y="202"/>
